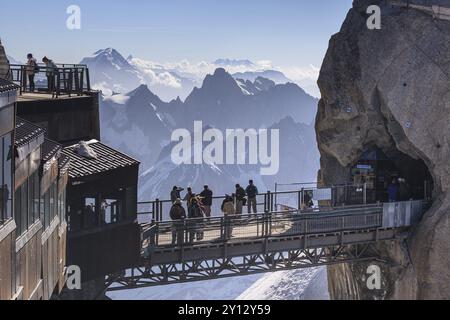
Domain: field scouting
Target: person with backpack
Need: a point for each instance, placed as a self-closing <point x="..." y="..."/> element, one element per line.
<point x="229" y="213"/>
<point x="177" y="214"/>
<point x="51" y="73"/>
<point x="207" y="199"/>
<point x="32" y="68"/>
<point x="194" y="224"/>
<point x="252" y="192"/>
<point x="241" y="201"/>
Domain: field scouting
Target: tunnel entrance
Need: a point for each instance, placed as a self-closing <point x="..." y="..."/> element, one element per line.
<point x="379" y="170"/>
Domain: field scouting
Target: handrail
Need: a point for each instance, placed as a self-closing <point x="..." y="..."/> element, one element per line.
<point x="210" y="231"/>
<point x="257" y="226"/>
<point x="65" y="79"/>
<point x="345" y="194"/>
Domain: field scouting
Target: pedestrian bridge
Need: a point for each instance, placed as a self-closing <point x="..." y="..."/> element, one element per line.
<point x="271" y="241"/>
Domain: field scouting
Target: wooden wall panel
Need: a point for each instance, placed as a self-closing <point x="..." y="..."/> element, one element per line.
<point x="104" y="251"/>
<point x="51" y="266"/>
<point x="28" y="265"/>
<point x="6" y="267"/>
<point x="62" y="257"/>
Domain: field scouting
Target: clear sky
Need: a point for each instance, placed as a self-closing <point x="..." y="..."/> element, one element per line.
<point x="287" y="32"/>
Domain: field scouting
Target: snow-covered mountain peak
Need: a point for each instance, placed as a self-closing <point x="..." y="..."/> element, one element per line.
<point x="108" y="57"/>
<point x="259" y="85"/>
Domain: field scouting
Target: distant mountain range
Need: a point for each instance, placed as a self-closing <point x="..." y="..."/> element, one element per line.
<point x="112" y="73"/>
<point x="140" y="124"/>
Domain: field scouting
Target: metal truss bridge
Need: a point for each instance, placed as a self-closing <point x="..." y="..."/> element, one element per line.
<point x="204" y="249"/>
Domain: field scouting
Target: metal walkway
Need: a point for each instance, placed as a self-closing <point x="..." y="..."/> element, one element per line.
<point x="273" y="241"/>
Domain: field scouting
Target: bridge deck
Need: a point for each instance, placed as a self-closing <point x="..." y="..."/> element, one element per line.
<point x="224" y="247"/>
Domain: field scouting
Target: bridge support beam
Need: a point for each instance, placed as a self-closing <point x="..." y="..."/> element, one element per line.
<point x="207" y="269"/>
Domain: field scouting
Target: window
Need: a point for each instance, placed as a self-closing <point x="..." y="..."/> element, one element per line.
<point x="23" y="207"/>
<point x="27" y="203"/>
<point x="110" y="211"/>
<point x="47" y="209"/>
<point x="33" y="198"/>
<point x="6" y="176"/>
<point x="62" y="206"/>
<point x="53" y="201"/>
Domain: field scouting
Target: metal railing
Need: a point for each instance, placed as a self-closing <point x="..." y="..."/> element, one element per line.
<point x="263" y="225"/>
<point x="335" y="196"/>
<point x="66" y="79"/>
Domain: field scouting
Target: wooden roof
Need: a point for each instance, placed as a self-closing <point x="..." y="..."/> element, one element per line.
<point x="6" y="86"/>
<point x="107" y="159"/>
<point x="50" y="149"/>
<point x="26" y="132"/>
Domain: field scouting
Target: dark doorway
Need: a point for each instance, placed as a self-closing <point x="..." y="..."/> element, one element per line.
<point x="378" y="170"/>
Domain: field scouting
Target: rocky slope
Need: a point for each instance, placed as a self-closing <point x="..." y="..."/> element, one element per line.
<point x="4" y="64"/>
<point x="390" y="88"/>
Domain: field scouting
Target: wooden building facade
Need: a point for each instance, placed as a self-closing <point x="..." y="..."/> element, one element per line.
<point x="32" y="224"/>
<point x="57" y="207"/>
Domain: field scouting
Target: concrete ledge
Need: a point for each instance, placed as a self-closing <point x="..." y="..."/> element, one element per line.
<point x="7" y="228"/>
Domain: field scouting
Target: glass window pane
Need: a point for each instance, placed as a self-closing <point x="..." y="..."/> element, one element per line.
<point x="24" y="207"/>
<point x="36" y="196"/>
<point x="30" y="200"/>
<point x="17" y="215"/>
<point x="47" y="209"/>
<point x="8" y="176"/>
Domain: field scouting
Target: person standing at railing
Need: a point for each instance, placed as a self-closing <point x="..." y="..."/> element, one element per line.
<point x="252" y="192"/>
<point x="393" y="191"/>
<point x="307" y="200"/>
<point x="207" y="200"/>
<point x="195" y="222"/>
<point x="229" y="213"/>
<point x="175" y="194"/>
<point x="240" y="199"/>
<point x="189" y="195"/>
<point x="177" y="214"/>
<point x="51" y="72"/>
<point x="32" y="69"/>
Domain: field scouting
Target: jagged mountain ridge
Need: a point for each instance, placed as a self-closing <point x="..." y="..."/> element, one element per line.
<point x="222" y="178"/>
<point x="112" y="73"/>
<point x="140" y="124"/>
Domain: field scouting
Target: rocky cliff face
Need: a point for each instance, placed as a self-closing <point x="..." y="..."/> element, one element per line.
<point x="390" y="88"/>
<point x="4" y="64"/>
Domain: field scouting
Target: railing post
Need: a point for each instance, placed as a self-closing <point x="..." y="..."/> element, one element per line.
<point x="269" y="201"/>
<point x="58" y="82"/>
<point x="365" y="193"/>
<point x="266" y="224"/>
<point x="23" y="81"/>
<point x="153" y="212"/>
<point x="157" y="210"/>
<point x="81" y="81"/>
<point x="265" y="202"/>
<point x="276" y="195"/>
<point x="88" y="80"/>
<point x="272" y="208"/>
<point x="157" y="235"/>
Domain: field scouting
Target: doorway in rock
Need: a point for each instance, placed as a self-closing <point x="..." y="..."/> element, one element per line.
<point x="378" y="170"/>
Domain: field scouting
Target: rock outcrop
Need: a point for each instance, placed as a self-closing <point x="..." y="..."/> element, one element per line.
<point x="390" y="88"/>
<point x="4" y="64"/>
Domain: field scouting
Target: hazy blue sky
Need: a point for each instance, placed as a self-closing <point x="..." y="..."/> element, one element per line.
<point x="287" y="32"/>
